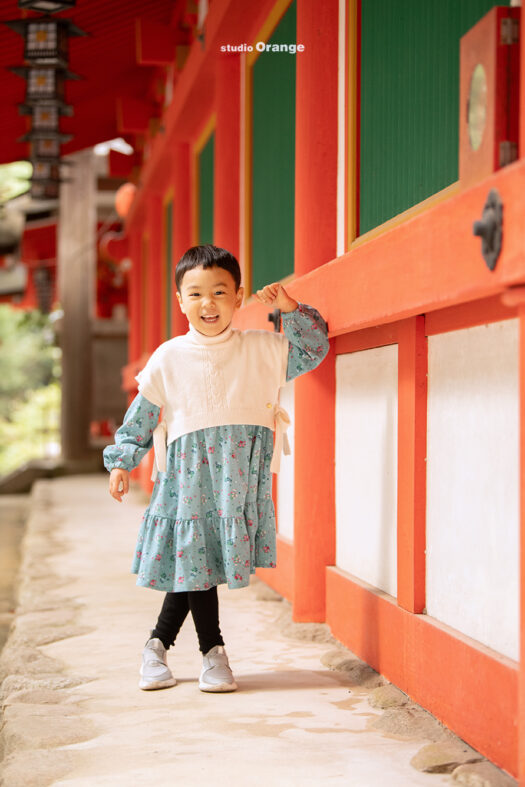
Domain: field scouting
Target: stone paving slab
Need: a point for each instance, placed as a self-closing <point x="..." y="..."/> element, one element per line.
<point x="304" y="713"/>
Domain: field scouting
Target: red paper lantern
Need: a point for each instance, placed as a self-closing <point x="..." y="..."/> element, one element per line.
<point x="123" y="199"/>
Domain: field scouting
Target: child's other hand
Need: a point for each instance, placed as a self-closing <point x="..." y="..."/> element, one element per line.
<point x="277" y="296"/>
<point x="117" y="477"/>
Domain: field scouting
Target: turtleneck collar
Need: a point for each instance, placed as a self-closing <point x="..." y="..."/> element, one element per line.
<point x="200" y="338"/>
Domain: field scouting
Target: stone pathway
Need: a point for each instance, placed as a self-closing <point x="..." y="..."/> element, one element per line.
<point x="307" y="711"/>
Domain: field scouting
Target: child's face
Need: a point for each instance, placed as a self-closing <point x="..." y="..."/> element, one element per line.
<point x="208" y="299"/>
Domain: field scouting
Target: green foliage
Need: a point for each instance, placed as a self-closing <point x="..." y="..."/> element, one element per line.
<point x="33" y="430"/>
<point x="29" y="387"/>
<point x="28" y="358"/>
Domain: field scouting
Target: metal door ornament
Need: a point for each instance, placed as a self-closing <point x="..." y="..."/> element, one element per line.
<point x="490" y="228"/>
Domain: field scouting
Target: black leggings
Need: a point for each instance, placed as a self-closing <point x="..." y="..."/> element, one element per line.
<point x="204" y="606"/>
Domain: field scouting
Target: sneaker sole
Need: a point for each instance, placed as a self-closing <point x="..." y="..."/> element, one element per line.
<point x="157" y="684"/>
<point x="220" y="687"/>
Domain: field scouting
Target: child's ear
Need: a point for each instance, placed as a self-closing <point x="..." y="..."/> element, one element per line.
<point x="239" y="298"/>
<point x="180" y="302"/>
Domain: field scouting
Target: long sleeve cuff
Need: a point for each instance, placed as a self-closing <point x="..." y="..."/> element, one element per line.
<point x="307" y="334"/>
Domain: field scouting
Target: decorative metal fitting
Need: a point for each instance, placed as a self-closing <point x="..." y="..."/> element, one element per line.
<point x="275" y="317"/>
<point x="490" y="228"/>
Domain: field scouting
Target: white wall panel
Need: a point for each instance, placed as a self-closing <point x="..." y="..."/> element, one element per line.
<point x="366" y="465"/>
<point x="472" y="483"/>
<point x="285" y="479"/>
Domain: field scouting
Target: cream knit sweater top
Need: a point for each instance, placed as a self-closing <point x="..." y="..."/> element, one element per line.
<point x="201" y="381"/>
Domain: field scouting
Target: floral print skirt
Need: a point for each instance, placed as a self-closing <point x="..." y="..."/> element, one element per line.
<point x="211" y="517"/>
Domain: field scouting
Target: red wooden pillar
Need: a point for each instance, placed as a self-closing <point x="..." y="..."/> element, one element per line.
<point x="227" y="152"/>
<point x="515" y="297"/>
<point x="314" y="520"/>
<point x="135" y="317"/>
<point x="521" y="311"/>
<point x="521" y="682"/>
<point x="315" y="244"/>
<point x="316" y="135"/>
<point x="154" y="274"/>
<point x="411" y="453"/>
<point x="181" y="222"/>
<point x="521" y="147"/>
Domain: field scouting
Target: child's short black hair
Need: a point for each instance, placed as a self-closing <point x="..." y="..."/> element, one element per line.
<point x="207" y="256"/>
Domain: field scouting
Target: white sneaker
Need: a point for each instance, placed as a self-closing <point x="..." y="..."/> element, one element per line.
<point x="154" y="671"/>
<point x="216" y="674"/>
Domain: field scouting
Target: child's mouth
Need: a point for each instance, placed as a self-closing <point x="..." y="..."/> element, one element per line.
<point x="211" y="319"/>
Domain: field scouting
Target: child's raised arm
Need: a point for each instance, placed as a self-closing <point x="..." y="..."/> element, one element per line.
<point x="303" y="326"/>
<point x="276" y="295"/>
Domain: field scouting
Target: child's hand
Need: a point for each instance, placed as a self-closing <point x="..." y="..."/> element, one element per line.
<point x="117" y="476"/>
<point x="277" y="296"/>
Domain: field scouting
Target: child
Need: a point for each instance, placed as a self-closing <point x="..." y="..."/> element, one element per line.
<point x="210" y="519"/>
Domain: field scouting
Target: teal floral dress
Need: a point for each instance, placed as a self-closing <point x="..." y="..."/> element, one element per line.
<point x="211" y="518"/>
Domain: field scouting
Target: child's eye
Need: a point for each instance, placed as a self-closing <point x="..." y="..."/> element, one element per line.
<point x="219" y="292"/>
<point x="192" y="294"/>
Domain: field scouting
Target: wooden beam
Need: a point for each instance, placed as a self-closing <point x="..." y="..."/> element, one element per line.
<point x="411" y="463"/>
<point x="155" y="43"/>
<point x="133" y="115"/>
<point x="430" y="262"/>
<point x="469" y="687"/>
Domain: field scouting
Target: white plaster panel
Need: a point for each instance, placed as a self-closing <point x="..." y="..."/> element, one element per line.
<point x="473" y="483"/>
<point x="285" y="479"/>
<point x="366" y="465"/>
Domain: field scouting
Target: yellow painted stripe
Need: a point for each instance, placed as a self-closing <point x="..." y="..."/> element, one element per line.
<point x="415" y="210"/>
<point x="351" y="146"/>
<point x="267" y="28"/>
<point x="205" y="133"/>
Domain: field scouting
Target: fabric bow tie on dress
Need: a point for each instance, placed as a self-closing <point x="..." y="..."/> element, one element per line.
<point x="160" y="434"/>
<point x="282" y="422"/>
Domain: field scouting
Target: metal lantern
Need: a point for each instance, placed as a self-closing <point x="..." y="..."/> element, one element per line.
<point x="47" y="149"/>
<point x="46" y="39"/>
<point x="47" y="6"/>
<point x="46" y="170"/>
<point x="45" y="117"/>
<point x="43" y="84"/>
<point x="43" y="282"/>
<point x="45" y="189"/>
<point x="33" y="136"/>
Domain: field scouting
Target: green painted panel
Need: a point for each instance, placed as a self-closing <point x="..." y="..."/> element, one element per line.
<point x="170" y="273"/>
<point x="273" y="168"/>
<point x="206" y="191"/>
<point x="409" y="101"/>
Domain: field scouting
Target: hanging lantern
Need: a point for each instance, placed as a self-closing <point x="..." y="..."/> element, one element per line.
<point x="45" y="149"/>
<point x="47" y="6"/>
<point x="35" y="134"/>
<point x="46" y="170"/>
<point x="46" y="39"/>
<point x="45" y="117"/>
<point x="44" y="84"/>
<point x="44" y="288"/>
<point x="123" y="199"/>
<point x="47" y="189"/>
